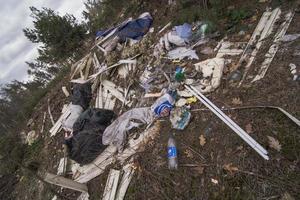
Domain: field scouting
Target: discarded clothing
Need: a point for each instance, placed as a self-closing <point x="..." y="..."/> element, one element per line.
<point x="116" y="133"/>
<point x="86" y="143"/>
<point x="133" y="29"/>
<point x="180" y="118"/>
<point x="82" y="95"/>
<point x="182" y="52"/>
<point x="68" y="123"/>
<point x="212" y="71"/>
<point x="163" y="105"/>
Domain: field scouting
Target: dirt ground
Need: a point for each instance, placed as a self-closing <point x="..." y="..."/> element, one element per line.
<point x="224" y="167"/>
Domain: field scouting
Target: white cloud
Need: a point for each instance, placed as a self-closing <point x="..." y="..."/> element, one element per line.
<point x="15" y="49"/>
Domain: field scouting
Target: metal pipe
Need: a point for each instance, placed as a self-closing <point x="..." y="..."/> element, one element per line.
<point x="249" y="140"/>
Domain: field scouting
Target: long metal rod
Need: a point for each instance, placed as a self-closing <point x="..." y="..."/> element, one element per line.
<point x="249" y="140"/>
<point x="225" y="117"/>
<point x="230" y="120"/>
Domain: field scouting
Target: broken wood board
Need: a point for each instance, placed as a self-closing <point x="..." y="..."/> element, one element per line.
<point x="50" y="114"/>
<point x="151" y="95"/>
<point x="43" y="123"/>
<point x="116" y="91"/>
<point x="62" y="166"/>
<point x="65" y="91"/>
<point x="74" y="66"/>
<point x="225" y="49"/>
<point x="87" y="68"/>
<point x="65" y="182"/>
<point x="164" y="28"/>
<point x="81" y="65"/>
<point x="58" y="123"/>
<point x="111" y="185"/>
<point x="265" y="29"/>
<point x="84" y="196"/>
<point x="97" y="167"/>
<point x="137" y="145"/>
<point x="108" y="99"/>
<point x="126" y="67"/>
<point x="274" y="47"/>
<point x="128" y="172"/>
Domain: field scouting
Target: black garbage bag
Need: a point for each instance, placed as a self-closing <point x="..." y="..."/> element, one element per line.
<point x="81" y="95"/>
<point x="86" y="143"/>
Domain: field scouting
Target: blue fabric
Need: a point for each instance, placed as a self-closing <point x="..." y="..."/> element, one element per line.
<point x="184" y="31"/>
<point x="134" y="29"/>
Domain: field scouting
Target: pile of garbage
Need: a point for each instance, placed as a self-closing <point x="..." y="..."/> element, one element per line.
<point x="108" y="102"/>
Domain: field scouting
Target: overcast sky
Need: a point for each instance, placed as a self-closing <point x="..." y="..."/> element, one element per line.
<point x="15" y="49"/>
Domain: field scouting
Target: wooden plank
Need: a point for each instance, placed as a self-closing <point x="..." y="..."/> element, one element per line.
<point x="274" y="47"/>
<point x="97" y="64"/>
<point x="265" y="30"/>
<point x="65" y="182"/>
<point x="50" y="114"/>
<point x="97" y="167"/>
<point x="62" y="166"/>
<point x="58" y="124"/>
<point x="87" y="68"/>
<point x="65" y="91"/>
<point x="100" y="97"/>
<point x="80" y="66"/>
<point x="84" y="196"/>
<point x="43" y="123"/>
<point x="111" y="185"/>
<point x="128" y="172"/>
<point x="165" y="27"/>
<point x="136" y="145"/>
<point x="74" y="66"/>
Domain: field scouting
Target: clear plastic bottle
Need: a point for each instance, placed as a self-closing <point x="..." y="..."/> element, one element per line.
<point x="172" y="153"/>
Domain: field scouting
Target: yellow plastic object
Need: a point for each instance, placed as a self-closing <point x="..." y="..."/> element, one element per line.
<point x="190" y="100"/>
